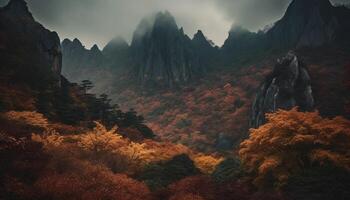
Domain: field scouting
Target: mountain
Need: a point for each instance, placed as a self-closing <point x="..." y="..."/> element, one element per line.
<point x="77" y="58"/>
<point x="31" y="63"/>
<point x="242" y="43"/>
<point x="311" y="23"/>
<point x="207" y="52"/>
<point x="162" y="53"/>
<point x="117" y="53"/>
<point x="28" y="51"/>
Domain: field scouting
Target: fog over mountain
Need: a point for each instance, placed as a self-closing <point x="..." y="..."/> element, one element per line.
<point x="99" y="21"/>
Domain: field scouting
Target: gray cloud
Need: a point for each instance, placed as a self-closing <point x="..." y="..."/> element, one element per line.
<point x="98" y="21"/>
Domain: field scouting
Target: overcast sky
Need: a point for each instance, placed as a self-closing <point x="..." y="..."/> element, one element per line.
<point x="98" y="21"/>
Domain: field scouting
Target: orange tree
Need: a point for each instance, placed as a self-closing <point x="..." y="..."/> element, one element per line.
<point x="292" y="141"/>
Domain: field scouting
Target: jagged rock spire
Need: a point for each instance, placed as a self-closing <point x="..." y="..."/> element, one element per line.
<point x="288" y="86"/>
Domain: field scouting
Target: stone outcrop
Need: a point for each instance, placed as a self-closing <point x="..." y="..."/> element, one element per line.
<point x="162" y="53"/>
<point x="22" y="35"/>
<point x="288" y="86"/>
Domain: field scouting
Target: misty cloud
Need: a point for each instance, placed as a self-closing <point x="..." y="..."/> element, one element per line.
<point x="254" y="14"/>
<point x="98" y="21"/>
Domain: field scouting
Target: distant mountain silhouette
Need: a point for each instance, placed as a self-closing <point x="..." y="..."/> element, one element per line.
<point x="117" y="53"/>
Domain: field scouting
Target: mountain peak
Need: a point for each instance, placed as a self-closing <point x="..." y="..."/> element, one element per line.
<point x="162" y="52"/>
<point x="163" y="19"/>
<point x="161" y="23"/>
<point x="17" y="3"/>
<point x="115" y="44"/>
<point x="118" y="41"/>
<point x="306" y="23"/>
<point x="305" y="8"/>
<point x="18" y="8"/>
<point x="66" y="42"/>
<point x="200" y="39"/>
<point x="95" y="48"/>
<point x="199" y="35"/>
<point x="76" y="42"/>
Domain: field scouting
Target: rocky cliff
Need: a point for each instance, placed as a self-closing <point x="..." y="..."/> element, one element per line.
<point x="27" y="49"/>
<point x="162" y="53"/>
<point x="289" y="85"/>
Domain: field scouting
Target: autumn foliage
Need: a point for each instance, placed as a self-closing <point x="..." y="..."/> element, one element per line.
<point x="86" y="181"/>
<point x="101" y="163"/>
<point x="292" y="141"/>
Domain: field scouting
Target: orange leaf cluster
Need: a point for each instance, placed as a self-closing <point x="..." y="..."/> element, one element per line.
<point x="293" y="140"/>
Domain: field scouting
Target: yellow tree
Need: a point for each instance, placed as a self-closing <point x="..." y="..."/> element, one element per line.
<point x="291" y="141"/>
<point x="102" y="140"/>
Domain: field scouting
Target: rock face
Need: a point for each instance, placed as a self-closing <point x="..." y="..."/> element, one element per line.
<point x="289" y="85"/>
<point x="22" y="36"/>
<point x="162" y="53"/>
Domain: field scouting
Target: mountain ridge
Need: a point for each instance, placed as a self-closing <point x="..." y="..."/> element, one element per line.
<point x="161" y="54"/>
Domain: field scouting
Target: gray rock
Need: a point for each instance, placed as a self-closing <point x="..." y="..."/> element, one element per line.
<point x="288" y="86"/>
